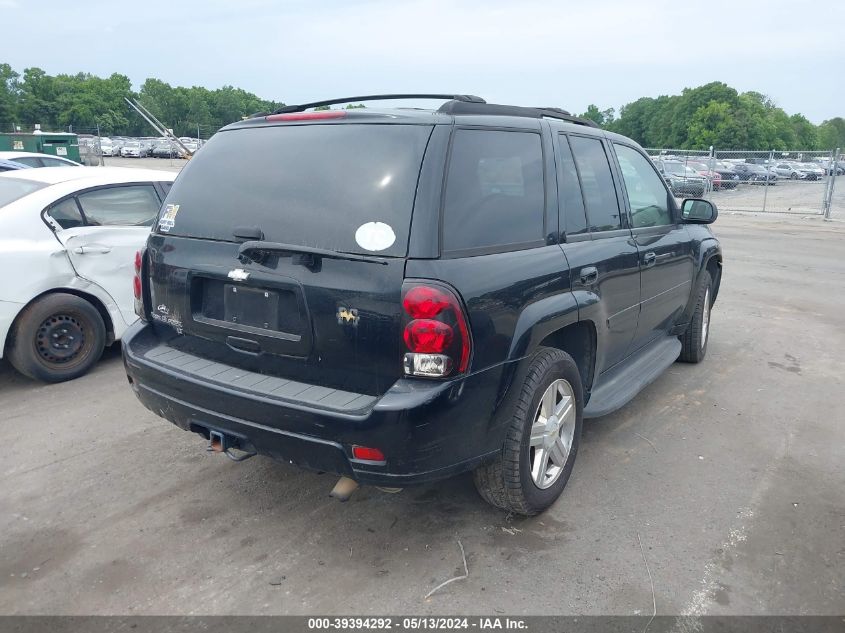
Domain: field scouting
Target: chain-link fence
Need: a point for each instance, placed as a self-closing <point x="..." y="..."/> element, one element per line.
<point x="802" y="182"/>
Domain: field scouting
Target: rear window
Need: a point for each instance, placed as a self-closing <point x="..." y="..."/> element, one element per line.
<point x="344" y="187"/>
<point x="11" y="189"/>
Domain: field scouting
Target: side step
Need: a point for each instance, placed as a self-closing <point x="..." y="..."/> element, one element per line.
<point x="624" y="381"/>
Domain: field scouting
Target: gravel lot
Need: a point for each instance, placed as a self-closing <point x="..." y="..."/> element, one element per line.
<point x="730" y="473"/>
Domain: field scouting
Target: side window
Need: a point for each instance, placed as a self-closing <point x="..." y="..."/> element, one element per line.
<point x="134" y="205"/>
<point x="165" y="186"/>
<point x="494" y="190"/>
<point x="646" y="193"/>
<point x="55" y="162"/>
<point x="32" y="161"/>
<point x="66" y="214"/>
<point x="597" y="184"/>
<point x="571" y="200"/>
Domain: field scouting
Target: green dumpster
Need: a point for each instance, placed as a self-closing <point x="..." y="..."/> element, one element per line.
<point x="56" y="144"/>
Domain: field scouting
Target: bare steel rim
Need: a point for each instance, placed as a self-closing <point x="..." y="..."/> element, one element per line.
<point x="552" y="433"/>
<point x="705" y="318"/>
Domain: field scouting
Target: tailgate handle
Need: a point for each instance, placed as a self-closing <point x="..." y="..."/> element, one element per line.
<point x="243" y="345"/>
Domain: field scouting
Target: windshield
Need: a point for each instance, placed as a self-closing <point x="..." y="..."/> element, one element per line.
<point x="12" y="189"/>
<point x="349" y="188"/>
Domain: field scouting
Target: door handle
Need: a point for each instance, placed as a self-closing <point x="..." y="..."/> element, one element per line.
<point x="589" y="275"/>
<point x="649" y="259"/>
<point x="95" y="248"/>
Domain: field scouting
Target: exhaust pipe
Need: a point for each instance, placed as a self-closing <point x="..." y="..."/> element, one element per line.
<point x="344" y="488"/>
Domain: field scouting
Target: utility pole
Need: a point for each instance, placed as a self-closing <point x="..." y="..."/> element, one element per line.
<point x="102" y="161"/>
<point x="831" y="183"/>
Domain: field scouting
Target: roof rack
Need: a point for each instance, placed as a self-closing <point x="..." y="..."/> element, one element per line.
<point x="467" y="107"/>
<point x="318" y="104"/>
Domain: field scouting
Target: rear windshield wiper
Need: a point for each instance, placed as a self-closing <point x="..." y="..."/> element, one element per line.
<point x="256" y="250"/>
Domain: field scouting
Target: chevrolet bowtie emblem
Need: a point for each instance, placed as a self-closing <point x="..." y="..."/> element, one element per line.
<point x="239" y="274"/>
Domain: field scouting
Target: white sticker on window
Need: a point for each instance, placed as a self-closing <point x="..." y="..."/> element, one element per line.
<point x="375" y="236"/>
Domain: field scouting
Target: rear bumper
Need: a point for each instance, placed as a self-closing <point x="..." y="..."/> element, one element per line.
<point x="427" y="430"/>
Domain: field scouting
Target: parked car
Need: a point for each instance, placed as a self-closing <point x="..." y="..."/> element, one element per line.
<point x="795" y="171"/>
<point x="69" y="236"/>
<point x="34" y="159"/>
<point x="755" y="174"/>
<point x="164" y="149"/>
<point x="713" y="177"/>
<point x="10" y="165"/>
<point x="814" y="170"/>
<point x="107" y="148"/>
<point x="316" y="290"/>
<point x="730" y="178"/>
<point x="682" y="180"/>
<point x="133" y="149"/>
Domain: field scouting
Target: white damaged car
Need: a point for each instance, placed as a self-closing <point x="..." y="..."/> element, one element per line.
<point x="67" y="248"/>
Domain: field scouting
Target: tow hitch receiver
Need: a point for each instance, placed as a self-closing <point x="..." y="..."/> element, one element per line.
<point x="220" y="443"/>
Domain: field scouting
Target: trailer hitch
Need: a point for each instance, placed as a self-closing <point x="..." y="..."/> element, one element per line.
<point x="220" y="443"/>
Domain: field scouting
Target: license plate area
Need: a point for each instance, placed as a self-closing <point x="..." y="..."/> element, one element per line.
<point x="273" y="315"/>
<point x="251" y="307"/>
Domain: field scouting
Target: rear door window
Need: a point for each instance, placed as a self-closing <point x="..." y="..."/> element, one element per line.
<point x="133" y="205"/>
<point x="31" y="161"/>
<point x="55" y="162"/>
<point x="344" y="187"/>
<point x="571" y="200"/>
<point x="494" y="191"/>
<point x="597" y="184"/>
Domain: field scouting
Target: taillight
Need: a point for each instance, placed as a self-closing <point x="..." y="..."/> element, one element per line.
<point x="137" y="288"/>
<point x="435" y="331"/>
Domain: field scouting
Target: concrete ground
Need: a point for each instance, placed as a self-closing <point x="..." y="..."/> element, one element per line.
<point x="729" y="474"/>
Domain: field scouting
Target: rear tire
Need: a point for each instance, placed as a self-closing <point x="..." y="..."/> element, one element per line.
<point x="56" y="338"/>
<point x="694" y="340"/>
<point x="542" y="441"/>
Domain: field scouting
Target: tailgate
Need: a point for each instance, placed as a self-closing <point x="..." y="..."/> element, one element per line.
<point x="335" y="325"/>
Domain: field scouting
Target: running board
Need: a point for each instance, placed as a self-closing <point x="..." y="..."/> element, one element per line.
<point x="631" y="376"/>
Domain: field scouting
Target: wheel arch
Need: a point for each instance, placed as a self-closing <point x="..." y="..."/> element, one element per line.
<point x="579" y="340"/>
<point x="90" y="298"/>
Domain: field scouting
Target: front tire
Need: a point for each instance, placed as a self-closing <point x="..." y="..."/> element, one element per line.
<point x="56" y="338"/>
<point x="694" y="340"/>
<point x="542" y="441"/>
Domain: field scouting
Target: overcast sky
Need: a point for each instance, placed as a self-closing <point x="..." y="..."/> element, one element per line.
<point x="550" y="53"/>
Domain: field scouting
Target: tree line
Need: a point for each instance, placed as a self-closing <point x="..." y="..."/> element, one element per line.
<point x="713" y="114"/>
<point x="716" y="114"/>
<point x="85" y="103"/>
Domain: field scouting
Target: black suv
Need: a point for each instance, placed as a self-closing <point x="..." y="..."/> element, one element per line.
<point x="401" y="295"/>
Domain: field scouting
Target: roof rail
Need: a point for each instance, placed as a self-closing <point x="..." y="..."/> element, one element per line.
<point x="465" y="107"/>
<point x="318" y="104"/>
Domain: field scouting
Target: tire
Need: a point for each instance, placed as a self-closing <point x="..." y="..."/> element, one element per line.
<point x="694" y="341"/>
<point x="76" y="329"/>
<point x="794" y="176"/>
<point x="507" y="481"/>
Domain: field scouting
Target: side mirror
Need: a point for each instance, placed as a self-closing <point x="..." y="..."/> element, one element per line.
<point x="698" y="211"/>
